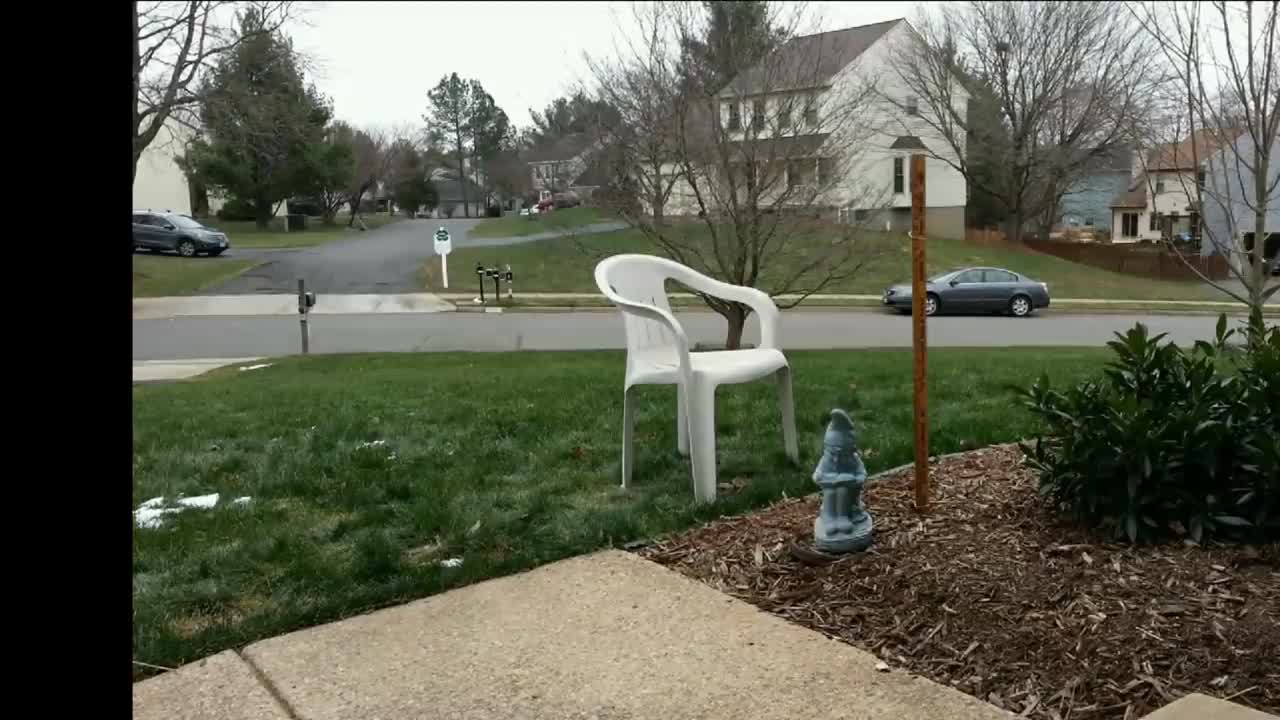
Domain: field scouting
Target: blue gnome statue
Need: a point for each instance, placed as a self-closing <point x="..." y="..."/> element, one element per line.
<point x="843" y="524"/>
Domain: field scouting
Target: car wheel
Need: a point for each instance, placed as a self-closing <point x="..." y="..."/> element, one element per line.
<point x="930" y="304"/>
<point x="186" y="248"/>
<point x="1020" y="306"/>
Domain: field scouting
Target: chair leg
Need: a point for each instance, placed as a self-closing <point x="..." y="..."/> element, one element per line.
<point x="682" y="420"/>
<point x="628" y="434"/>
<point x="787" y="404"/>
<point x="702" y="439"/>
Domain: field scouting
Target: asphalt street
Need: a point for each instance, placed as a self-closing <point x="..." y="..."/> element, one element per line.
<point x="206" y="337"/>
<point x="381" y="261"/>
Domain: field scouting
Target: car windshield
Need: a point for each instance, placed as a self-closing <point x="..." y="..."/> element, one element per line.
<point x="184" y="222"/>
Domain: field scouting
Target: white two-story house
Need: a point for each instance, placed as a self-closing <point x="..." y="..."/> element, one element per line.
<point x="826" y="107"/>
<point x="1161" y="199"/>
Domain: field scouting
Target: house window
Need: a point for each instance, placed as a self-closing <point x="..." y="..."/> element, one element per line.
<point x="1159" y="186"/>
<point x="826" y="171"/>
<point x="912" y="107"/>
<point x="735" y="117"/>
<point x="860" y="215"/>
<point x="898" y="183"/>
<point x="1129" y="225"/>
<point x="799" y="172"/>
<point x="1153" y="224"/>
<point x="784" y="115"/>
<point x="811" y="110"/>
<point x="1088" y="222"/>
<point x="757" y="114"/>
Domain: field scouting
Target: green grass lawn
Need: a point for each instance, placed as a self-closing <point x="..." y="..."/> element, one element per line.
<point x="555" y="221"/>
<point x="166" y="275"/>
<point x="246" y="234"/>
<point x="566" y="265"/>
<point x="507" y="461"/>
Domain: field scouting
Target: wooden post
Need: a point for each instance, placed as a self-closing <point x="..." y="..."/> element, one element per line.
<point x="919" y="337"/>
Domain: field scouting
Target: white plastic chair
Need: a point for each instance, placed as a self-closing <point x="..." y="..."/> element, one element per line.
<point x="658" y="354"/>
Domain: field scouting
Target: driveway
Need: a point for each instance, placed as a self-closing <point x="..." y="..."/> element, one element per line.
<point x="382" y="261"/>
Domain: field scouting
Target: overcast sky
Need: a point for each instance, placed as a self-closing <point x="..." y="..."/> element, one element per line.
<point x="377" y="60"/>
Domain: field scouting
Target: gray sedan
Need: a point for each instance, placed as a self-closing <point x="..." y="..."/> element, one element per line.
<point x="980" y="289"/>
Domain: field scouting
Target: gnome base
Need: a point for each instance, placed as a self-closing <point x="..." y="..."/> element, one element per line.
<point x="844" y="545"/>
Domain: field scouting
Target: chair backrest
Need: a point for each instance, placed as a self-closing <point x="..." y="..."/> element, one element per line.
<point x="641" y="279"/>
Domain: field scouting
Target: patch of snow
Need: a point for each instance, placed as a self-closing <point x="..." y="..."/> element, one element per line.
<point x="373" y="443"/>
<point x="451" y="562"/>
<point x="151" y="514"/>
<point x="242" y="500"/>
<point x="259" y="366"/>
<point x="392" y="456"/>
<point x="151" y="517"/>
<point x="199" y="501"/>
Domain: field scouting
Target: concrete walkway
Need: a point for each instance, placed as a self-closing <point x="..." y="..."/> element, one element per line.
<point x="287" y="304"/>
<point x="607" y="636"/>
<point x="168" y="370"/>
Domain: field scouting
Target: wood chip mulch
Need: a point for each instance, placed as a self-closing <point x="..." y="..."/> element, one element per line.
<point x="993" y="594"/>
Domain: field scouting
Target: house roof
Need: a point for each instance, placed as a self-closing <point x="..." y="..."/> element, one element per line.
<point x="1183" y="155"/>
<point x="808" y="60"/>
<point x="1135" y="197"/>
<point x="449" y="189"/>
<point x="908" y="142"/>
<point x="566" y="148"/>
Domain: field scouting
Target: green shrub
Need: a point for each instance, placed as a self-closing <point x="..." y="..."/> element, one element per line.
<point x="237" y="209"/>
<point x="1168" y="443"/>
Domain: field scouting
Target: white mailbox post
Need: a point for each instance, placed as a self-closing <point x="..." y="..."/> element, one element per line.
<point x="444" y="246"/>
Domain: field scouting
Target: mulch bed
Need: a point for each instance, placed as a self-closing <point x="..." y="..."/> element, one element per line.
<point x="997" y="596"/>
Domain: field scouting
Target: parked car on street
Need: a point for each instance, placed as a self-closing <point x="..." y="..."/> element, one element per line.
<point x="980" y="289"/>
<point x="154" y="230"/>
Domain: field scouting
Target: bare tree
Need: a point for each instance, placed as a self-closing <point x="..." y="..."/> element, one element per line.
<point x="1067" y="80"/>
<point x="643" y="86"/>
<point x="751" y="174"/>
<point x="172" y="43"/>
<point x="1224" y="59"/>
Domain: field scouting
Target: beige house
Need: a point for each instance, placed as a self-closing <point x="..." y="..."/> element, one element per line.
<point x="1161" y="199"/>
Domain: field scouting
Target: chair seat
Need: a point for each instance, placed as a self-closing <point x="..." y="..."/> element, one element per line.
<point x="721" y="367"/>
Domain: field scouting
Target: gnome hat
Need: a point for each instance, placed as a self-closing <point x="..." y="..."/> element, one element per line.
<point x="839" y="430"/>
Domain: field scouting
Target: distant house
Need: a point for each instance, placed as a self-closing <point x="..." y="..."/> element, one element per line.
<point x="1087" y="205"/>
<point x="872" y="183"/>
<point x="160" y="184"/>
<point x="450" y="203"/>
<point x="565" y="166"/>
<point x="1160" y="201"/>
<point x="1228" y="220"/>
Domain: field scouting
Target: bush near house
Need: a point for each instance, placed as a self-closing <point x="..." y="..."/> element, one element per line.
<point x="1169" y="443"/>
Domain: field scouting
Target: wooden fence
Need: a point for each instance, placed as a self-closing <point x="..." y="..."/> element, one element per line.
<point x="1145" y="260"/>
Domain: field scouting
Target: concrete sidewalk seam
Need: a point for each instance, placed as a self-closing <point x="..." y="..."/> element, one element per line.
<point x="271" y="688"/>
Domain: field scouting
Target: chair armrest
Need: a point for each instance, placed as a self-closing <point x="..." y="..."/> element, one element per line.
<point x="653" y="312"/>
<point x="759" y="302"/>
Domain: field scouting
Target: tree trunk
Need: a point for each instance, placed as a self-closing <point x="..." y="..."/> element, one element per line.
<point x="262" y="213"/>
<point x="737" y="319"/>
<point x="1013" y="227"/>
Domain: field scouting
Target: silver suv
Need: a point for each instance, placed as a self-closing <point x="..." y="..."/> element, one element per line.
<point x="177" y="233"/>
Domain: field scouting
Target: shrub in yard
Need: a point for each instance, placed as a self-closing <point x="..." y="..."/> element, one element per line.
<point x="1168" y="442"/>
<point x="236" y="209"/>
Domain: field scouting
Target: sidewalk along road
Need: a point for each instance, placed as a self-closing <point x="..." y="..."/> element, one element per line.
<point x="261" y="336"/>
